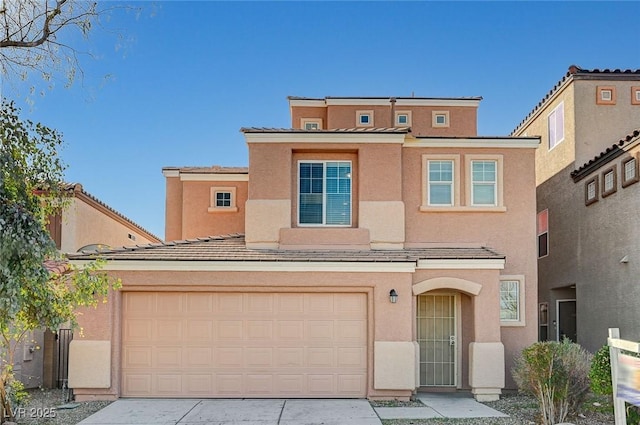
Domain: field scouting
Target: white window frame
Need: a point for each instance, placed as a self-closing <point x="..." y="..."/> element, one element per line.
<point x="434" y="118"/>
<point x="324" y="194"/>
<point x="402" y="113"/>
<point x="635" y="95"/>
<point x="613" y="180"/>
<point x="214" y="208"/>
<point x="425" y="182"/>
<point x="312" y="121"/>
<point x="552" y="121"/>
<point x="360" y="114"/>
<point x="626" y="180"/>
<point x="602" y="98"/>
<point x="499" y="181"/>
<point x="592" y="182"/>
<point x="521" y="320"/>
<point x="449" y="183"/>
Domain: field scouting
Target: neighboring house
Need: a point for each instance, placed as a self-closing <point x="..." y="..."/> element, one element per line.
<point x="355" y="257"/>
<point x="86" y="223"/>
<point x="587" y="205"/>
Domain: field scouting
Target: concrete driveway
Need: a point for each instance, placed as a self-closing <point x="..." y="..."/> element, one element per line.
<point x="235" y="411"/>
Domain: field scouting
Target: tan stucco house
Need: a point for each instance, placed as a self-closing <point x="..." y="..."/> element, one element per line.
<point x="85" y="223"/>
<point x="587" y="203"/>
<point x="377" y="247"/>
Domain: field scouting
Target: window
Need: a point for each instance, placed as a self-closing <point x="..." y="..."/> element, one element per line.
<point x="324" y="193"/>
<point x="223" y="199"/>
<point x="311" y="123"/>
<point x="591" y="191"/>
<point x="543" y="233"/>
<point x="440" y="183"/>
<point x="403" y="118"/>
<point x="364" y="118"/>
<point x="440" y="118"/>
<point x="630" y="172"/>
<point x="483" y="183"/>
<point x="609" y="182"/>
<point x="556" y="126"/>
<point x="606" y="95"/>
<point x="635" y="95"/>
<point x="512" y="300"/>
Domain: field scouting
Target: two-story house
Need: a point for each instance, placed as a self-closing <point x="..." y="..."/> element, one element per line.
<point x="376" y="247"/>
<point x="587" y="205"/>
<point x="85" y="223"/>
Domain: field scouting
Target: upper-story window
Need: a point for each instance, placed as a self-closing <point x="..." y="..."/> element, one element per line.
<point x="311" y="123"/>
<point x="403" y="118"/>
<point x="556" y="125"/>
<point x="630" y="172"/>
<point x="609" y="182"/>
<point x="606" y="95"/>
<point x="364" y="118"/>
<point x="440" y="182"/>
<point x="591" y="191"/>
<point x="484" y="182"/>
<point x="324" y="193"/>
<point x="223" y="199"/>
<point x="543" y="233"/>
<point x="635" y="95"/>
<point x="440" y="118"/>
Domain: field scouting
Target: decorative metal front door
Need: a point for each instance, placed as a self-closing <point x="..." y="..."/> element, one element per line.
<point x="437" y="340"/>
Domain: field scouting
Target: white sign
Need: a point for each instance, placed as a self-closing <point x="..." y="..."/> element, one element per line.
<point x="629" y="379"/>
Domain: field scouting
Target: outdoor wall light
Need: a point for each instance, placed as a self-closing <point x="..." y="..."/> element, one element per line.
<point x="393" y="296"/>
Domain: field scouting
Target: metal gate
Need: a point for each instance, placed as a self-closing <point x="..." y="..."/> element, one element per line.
<point x="437" y="340"/>
<point x="63" y="339"/>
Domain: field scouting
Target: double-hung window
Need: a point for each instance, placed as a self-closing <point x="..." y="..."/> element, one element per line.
<point x="324" y="189"/>
<point x="484" y="182"/>
<point x="440" y="182"/>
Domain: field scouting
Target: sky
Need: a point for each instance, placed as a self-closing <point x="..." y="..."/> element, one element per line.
<point x="172" y="83"/>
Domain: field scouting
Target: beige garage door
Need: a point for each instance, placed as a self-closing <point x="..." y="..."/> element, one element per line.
<point x="244" y="344"/>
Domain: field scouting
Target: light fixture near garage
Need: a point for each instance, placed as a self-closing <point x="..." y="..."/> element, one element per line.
<point x="393" y="296"/>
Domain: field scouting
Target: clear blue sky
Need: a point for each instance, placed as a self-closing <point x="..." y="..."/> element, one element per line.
<point x="192" y="73"/>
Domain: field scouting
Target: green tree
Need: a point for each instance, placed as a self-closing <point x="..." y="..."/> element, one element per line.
<point x="31" y="296"/>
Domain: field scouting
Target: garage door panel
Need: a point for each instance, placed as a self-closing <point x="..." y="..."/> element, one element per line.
<point x="244" y="345"/>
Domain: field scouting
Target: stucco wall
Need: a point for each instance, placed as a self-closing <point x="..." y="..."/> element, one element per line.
<point x="173" y="209"/>
<point x="608" y="290"/>
<point x="83" y="224"/>
<point x="600" y="126"/>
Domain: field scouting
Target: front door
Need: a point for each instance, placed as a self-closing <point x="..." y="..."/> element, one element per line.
<point x="567" y="320"/>
<point x="437" y="340"/>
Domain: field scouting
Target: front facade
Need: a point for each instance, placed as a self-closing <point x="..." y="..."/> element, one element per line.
<point x="376" y="248"/>
<point x="582" y="286"/>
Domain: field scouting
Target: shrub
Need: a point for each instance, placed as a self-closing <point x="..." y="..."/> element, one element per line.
<point x="600" y="372"/>
<point x="556" y="373"/>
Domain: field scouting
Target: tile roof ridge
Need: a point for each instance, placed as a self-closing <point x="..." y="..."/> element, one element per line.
<point x="573" y="70"/>
<point x="578" y="173"/>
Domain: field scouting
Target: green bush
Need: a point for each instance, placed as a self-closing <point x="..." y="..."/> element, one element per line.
<point x="557" y="374"/>
<point x="600" y="372"/>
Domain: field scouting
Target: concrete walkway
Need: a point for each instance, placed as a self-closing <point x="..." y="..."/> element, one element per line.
<point x="281" y="412"/>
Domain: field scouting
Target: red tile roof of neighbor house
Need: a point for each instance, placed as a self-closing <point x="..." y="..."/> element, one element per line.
<point x="605" y="156"/>
<point x="575" y="72"/>
<point x="233" y="248"/>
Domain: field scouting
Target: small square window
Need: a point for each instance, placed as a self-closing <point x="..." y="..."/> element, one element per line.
<point x="609" y="182"/>
<point x="440" y="119"/>
<point x="591" y="191"/>
<point x="311" y="123"/>
<point x="606" y="95"/>
<point x="630" y="172"/>
<point x="364" y="118"/>
<point x="223" y="199"/>
<point x="635" y="95"/>
<point x="403" y="118"/>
